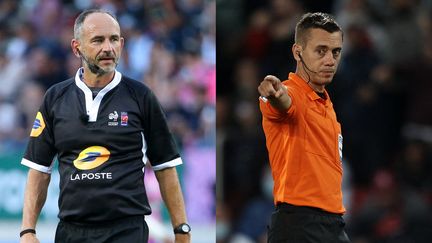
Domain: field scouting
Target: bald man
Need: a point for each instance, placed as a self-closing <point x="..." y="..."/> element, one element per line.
<point x="102" y="128"/>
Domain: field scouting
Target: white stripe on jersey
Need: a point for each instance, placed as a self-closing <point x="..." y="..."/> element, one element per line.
<point x="169" y="164"/>
<point x="144" y="150"/>
<point x="38" y="167"/>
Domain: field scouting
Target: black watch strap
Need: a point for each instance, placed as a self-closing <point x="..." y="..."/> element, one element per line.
<point x="27" y="231"/>
<point x="182" y="229"/>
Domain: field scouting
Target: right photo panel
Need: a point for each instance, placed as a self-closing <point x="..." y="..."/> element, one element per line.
<point x="324" y="125"/>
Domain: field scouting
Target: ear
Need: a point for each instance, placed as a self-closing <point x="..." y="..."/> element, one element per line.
<point x="121" y="42"/>
<point x="75" y="45"/>
<point x="296" y="50"/>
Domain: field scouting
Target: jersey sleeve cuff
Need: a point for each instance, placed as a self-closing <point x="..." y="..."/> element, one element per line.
<point x="35" y="166"/>
<point x="169" y="164"/>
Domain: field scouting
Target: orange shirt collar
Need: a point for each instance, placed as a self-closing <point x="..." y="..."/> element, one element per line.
<point x="306" y="88"/>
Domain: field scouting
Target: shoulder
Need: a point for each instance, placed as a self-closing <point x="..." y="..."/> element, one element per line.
<point x="294" y="90"/>
<point x="291" y="84"/>
<point x="137" y="89"/>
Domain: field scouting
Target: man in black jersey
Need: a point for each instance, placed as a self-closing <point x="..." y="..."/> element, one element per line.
<point x="103" y="128"/>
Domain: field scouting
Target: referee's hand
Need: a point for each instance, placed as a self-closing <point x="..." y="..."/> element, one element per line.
<point x="271" y="87"/>
<point x="29" y="238"/>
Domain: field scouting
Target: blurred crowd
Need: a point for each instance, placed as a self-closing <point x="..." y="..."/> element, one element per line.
<point x="169" y="46"/>
<point x="381" y="95"/>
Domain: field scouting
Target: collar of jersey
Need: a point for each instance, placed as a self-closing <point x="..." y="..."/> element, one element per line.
<point x="92" y="105"/>
<point x="306" y="88"/>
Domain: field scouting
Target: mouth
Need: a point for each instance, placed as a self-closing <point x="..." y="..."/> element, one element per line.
<point x="106" y="59"/>
<point x="328" y="72"/>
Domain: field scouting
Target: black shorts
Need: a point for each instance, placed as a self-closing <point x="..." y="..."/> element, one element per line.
<point x="130" y="229"/>
<point x="295" y="224"/>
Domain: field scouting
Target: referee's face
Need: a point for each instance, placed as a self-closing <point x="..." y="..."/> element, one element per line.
<point x="101" y="42"/>
<point x="322" y="55"/>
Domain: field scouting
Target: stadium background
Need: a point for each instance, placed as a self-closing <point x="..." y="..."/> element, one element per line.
<point x="170" y="46"/>
<point x="382" y="96"/>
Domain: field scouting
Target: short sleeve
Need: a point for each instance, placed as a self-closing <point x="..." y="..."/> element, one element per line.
<point x="162" y="150"/>
<point x="40" y="152"/>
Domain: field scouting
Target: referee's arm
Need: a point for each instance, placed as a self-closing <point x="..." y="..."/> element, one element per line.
<point x="34" y="199"/>
<point x="171" y="193"/>
<point x="272" y="89"/>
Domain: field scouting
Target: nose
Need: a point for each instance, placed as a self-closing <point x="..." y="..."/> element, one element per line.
<point x="329" y="59"/>
<point x="107" y="46"/>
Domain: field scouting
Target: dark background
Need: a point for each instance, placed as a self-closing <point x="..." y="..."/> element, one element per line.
<point x="381" y="95"/>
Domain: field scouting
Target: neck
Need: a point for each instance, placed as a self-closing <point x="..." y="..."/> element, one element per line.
<point x="97" y="81"/>
<point x="317" y="88"/>
<point x="308" y="78"/>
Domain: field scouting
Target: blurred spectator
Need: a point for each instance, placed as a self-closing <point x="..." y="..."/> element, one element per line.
<point x="12" y="75"/>
<point x="414" y="75"/>
<point x="257" y="36"/>
<point x="362" y="92"/>
<point x="402" y="29"/>
<point x="8" y="11"/>
<point x="46" y="15"/>
<point x="249" y="229"/>
<point x="44" y="67"/>
<point x="7" y="122"/>
<point x="245" y="79"/>
<point x="391" y="214"/>
<point x="243" y="157"/>
<point x="23" y="41"/>
<point x="285" y="14"/>
<point x="29" y="99"/>
<point x="413" y="168"/>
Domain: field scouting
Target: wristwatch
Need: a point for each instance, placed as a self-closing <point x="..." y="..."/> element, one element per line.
<point x="182" y="229"/>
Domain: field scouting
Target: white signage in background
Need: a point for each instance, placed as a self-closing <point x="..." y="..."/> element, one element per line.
<point x="12" y="184"/>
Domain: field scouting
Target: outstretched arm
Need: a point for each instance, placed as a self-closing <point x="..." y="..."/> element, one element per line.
<point x="272" y="89"/>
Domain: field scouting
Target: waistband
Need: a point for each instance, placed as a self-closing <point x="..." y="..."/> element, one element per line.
<point x="105" y="224"/>
<point x="303" y="209"/>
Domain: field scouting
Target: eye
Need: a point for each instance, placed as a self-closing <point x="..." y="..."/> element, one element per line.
<point x="336" y="52"/>
<point x="321" y="52"/>
<point x="115" y="38"/>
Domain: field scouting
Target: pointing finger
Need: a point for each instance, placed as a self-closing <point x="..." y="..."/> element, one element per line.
<point x="272" y="79"/>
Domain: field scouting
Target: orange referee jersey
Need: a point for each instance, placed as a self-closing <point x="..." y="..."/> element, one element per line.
<point x="305" y="149"/>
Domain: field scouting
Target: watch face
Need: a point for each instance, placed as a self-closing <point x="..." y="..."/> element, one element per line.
<point x="182" y="229"/>
<point x="185" y="228"/>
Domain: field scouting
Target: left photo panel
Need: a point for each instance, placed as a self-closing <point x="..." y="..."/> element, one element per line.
<point x="108" y="121"/>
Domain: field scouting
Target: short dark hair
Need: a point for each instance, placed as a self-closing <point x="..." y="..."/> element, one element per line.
<point x="315" y="21"/>
<point x="82" y="16"/>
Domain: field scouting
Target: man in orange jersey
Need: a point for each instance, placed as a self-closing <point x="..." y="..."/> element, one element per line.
<point x="304" y="138"/>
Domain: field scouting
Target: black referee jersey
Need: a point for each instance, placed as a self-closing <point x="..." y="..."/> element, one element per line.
<point x="102" y="145"/>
